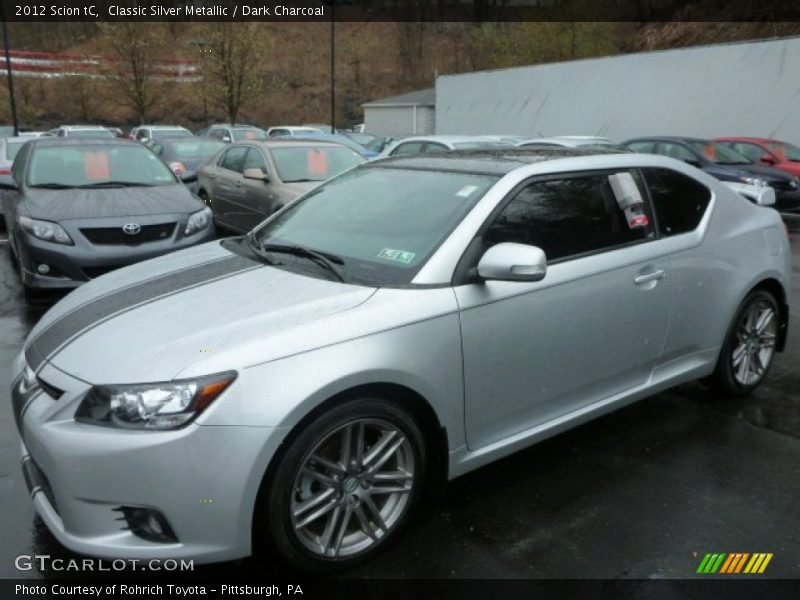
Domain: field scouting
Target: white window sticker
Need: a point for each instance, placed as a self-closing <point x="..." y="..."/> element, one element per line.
<point x="466" y="191"/>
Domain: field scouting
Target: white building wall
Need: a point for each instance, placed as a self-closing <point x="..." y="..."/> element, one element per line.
<point x="747" y="89"/>
<point x="399" y="121"/>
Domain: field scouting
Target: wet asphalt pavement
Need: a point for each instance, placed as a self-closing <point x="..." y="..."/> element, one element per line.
<point x="644" y="492"/>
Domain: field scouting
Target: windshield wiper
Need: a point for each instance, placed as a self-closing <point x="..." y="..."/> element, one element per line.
<point x="258" y="251"/>
<point x="115" y="183"/>
<point x="304" y="180"/>
<point x="53" y="186"/>
<point x="324" y="259"/>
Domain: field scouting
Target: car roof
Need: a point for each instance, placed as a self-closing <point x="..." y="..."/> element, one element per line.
<point x="745" y="139"/>
<point x="492" y="161"/>
<point x="569" y="140"/>
<point x="447" y="138"/>
<point x="667" y="138"/>
<point x="82" y="127"/>
<point x="160" y="127"/>
<point x="49" y="141"/>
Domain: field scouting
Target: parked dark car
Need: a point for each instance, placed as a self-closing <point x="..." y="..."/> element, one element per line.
<point x="185" y="155"/>
<point x="773" y="153"/>
<point x="79" y="208"/>
<point x="725" y="164"/>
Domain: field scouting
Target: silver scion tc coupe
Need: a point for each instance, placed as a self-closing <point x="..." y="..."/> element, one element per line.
<point x="404" y="323"/>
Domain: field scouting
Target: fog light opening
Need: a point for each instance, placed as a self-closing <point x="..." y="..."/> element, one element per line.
<point x="43" y="268"/>
<point x="147" y="523"/>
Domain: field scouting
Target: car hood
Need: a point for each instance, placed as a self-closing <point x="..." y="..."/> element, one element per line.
<point x="151" y="321"/>
<point x="301" y="187"/>
<point x="769" y="173"/>
<point x="60" y="205"/>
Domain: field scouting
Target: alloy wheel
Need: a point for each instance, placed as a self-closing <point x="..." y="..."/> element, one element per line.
<point x="352" y="488"/>
<point x="755" y="343"/>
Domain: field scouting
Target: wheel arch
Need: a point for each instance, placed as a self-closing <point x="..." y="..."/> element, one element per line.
<point x="434" y="435"/>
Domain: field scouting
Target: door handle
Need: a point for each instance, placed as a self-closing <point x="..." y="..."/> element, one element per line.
<point x="648" y="277"/>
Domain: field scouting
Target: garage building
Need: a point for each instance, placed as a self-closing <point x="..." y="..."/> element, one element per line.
<point x="399" y="116"/>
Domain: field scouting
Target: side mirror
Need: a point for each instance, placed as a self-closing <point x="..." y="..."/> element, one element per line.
<point x="226" y="139"/>
<point x="255" y="173"/>
<point x="513" y="262"/>
<point x="188" y="176"/>
<point x="7" y="183"/>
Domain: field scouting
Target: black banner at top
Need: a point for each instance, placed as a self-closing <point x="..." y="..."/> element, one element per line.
<point x="402" y="10"/>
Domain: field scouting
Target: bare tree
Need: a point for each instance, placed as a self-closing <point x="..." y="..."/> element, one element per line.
<point x="235" y="66"/>
<point x="133" y="49"/>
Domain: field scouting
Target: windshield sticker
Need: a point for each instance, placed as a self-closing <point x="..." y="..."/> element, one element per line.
<point x="95" y="164"/>
<point x="400" y="256"/>
<point x="249" y="135"/>
<point x="317" y="162"/>
<point x="466" y="191"/>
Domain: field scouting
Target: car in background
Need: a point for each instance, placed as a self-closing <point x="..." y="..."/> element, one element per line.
<point x="337" y="138"/>
<point x="249" y="181"/>
<point x="185" y="155"/>
<point x="769" y="152"/>
<point x="724" y="163"/>
<point x="30" y="134"/>
<point x="79" y="208"/>
<point x="235" y="133"/>
<point x="154" y="133"/>
<point x="9" y="147"/>
<point x="408" y="322"/>
<point x="431" y="144"/>
<point x="290" y="130"/>
<point x="371" y="142"/>
<point x="567" y="141"/>
<point x="81" y="131"/>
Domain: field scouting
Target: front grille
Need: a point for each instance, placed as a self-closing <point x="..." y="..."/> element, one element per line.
<point x="116" y="236"/>
<point x="92" y="272"/>
<point x="784" y="186"/>
<point x="50" y="390"/>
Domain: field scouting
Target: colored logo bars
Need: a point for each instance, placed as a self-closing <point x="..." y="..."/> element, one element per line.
<point x="741" y="562"/>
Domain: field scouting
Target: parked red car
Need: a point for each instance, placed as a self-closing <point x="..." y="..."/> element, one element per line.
<point x="777" y="154"/>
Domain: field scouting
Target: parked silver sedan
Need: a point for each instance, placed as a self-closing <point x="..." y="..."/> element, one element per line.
<point x="248" y="181"/>
<point x="400" y="325"/>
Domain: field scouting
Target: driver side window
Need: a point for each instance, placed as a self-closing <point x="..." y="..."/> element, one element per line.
<point x="567" y="218"/>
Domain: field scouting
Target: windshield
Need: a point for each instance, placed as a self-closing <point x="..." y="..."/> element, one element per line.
<point x="718" y="153"/>
<point x="12" y="148"/>
<point x="163" y="134"/>
<point x="89" y="133"/>
<point x="313" y="163"/>
<point x="195" y="148"/>
<point x="93" y="164"/>
<point x="383" y="223"/>
<point x="251" y="133"/>
<point x="785" y="151"/>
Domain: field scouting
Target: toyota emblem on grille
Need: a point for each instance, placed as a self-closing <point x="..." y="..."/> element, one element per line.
<point x="131" y="228"/>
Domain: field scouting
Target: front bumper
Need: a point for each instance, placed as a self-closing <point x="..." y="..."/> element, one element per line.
<point x="202" y="479"/>
<point x="70" y="266"/>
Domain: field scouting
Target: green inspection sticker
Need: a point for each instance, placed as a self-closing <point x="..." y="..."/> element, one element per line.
<point x="400" y="256"/>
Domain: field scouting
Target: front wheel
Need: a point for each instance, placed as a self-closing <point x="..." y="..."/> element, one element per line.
<point x="345" y="485"/>
<point x="749" y="347"/>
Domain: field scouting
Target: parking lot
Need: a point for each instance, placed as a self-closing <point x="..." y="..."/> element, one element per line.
<point x="645" y="492"/>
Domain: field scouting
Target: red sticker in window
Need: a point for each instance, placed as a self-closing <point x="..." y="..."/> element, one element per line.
<point x="249" y="135"/>
<point x="710" y="152"/>
<point x="317" y="162"/>
<point x="95" y="164"/>
<point x="638" y="221"/>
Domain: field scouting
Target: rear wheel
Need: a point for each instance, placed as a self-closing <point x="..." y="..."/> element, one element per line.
<point x="749" y="347"/>
<point x="345" y="485"/>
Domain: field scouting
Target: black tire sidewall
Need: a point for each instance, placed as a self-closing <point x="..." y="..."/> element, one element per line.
<point x="724" y="375"/>
<point x="276" y="496"/>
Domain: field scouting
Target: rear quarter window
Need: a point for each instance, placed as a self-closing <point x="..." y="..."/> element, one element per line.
<point x="678" y="200"/>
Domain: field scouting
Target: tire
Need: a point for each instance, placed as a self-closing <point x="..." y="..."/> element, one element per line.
<point x="322" y="517"/>
<point x="749" y="347"/>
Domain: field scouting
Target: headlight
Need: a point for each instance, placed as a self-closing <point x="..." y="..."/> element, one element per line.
<point x="198" y="221"/>
<point x="168" y="405"/>
<point x="45" y="230"/>
<point x="754" y="181"/>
